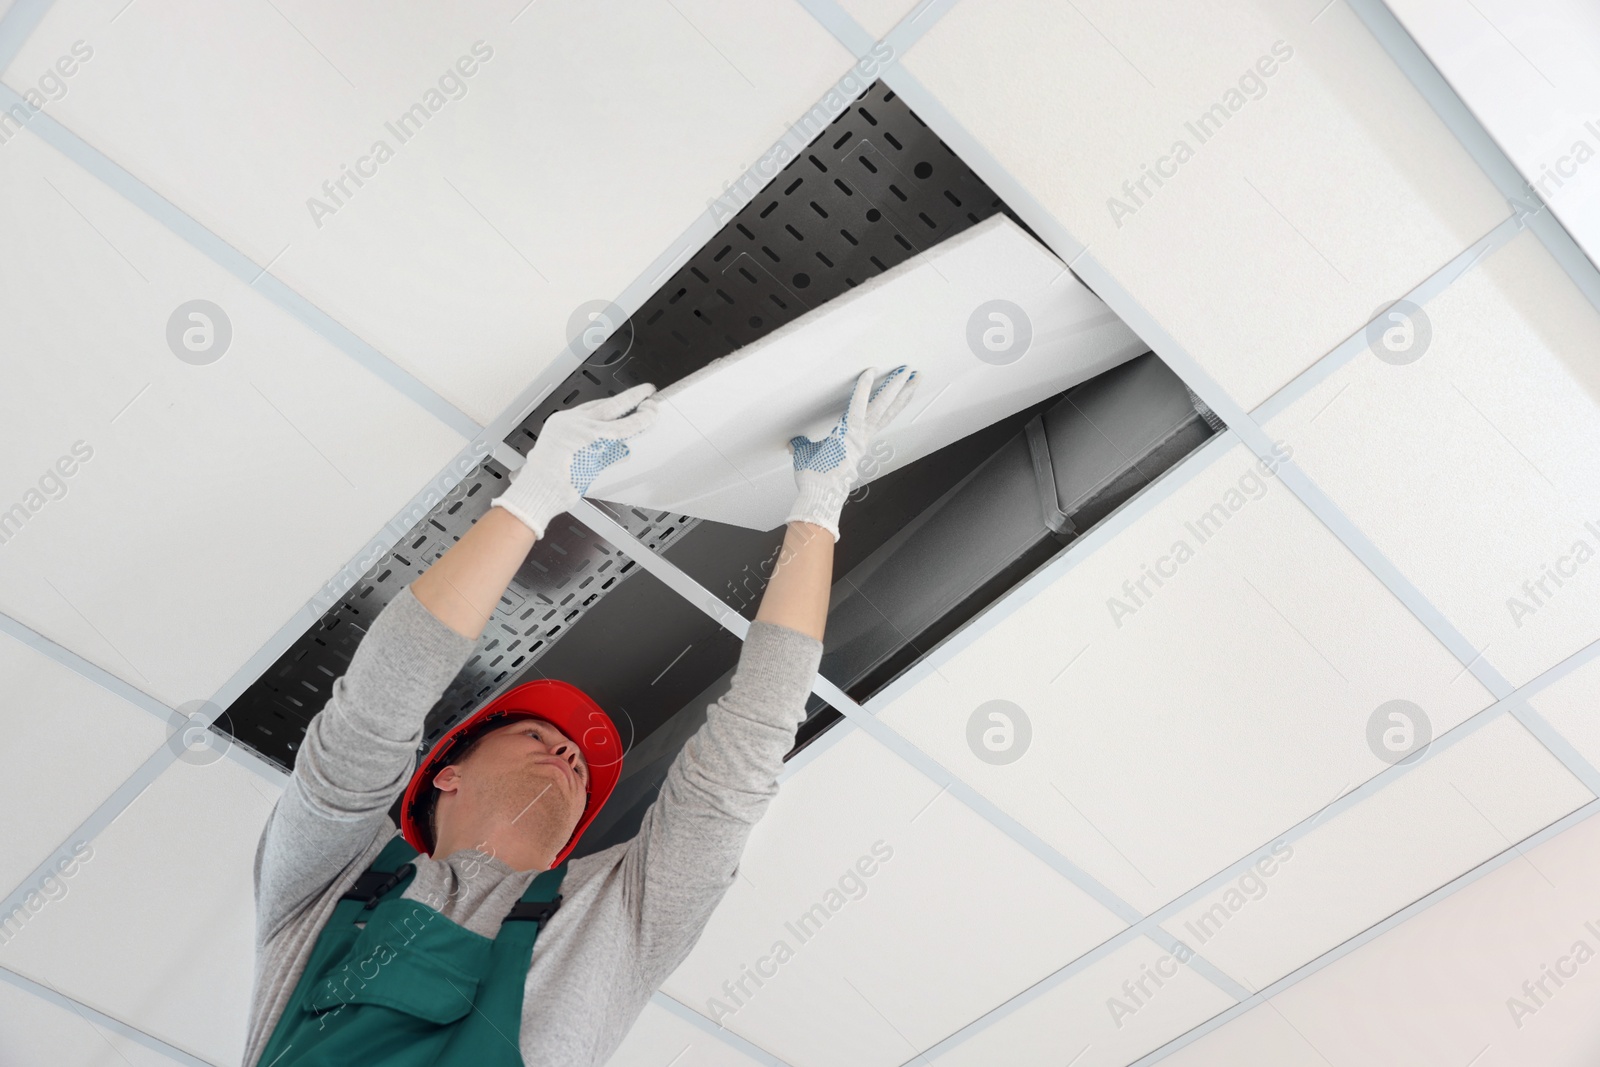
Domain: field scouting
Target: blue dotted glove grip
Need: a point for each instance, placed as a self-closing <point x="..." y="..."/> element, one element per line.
<point x="596" y="456"/>
<point x="823" y="455"/>
<point x="826" y="454"/>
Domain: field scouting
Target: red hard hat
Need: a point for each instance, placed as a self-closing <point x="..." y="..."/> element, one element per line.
<point x="566" y="707"/>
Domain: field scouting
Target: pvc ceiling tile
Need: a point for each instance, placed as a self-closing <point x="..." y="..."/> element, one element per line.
<point x="1569" y="706"/>
<point x="869" y="898"/>
<point x="1259" y="176"/>
<point x="36" y="1031"/>
<point x="1469" y="467"/>
<point x="1503" y="970"/>
<point x="157" y="928"/>
<point x="1459" y="807"/>
<point x="449" y="183"/>
<point x="1115" y="1010"/>
<point x="878" y="17"/>
<point x="55" y="786"/>
<point x="1190" y="688"/>
<point x="707" y="457"/>
<point x="1530" y="72"/>
<point x="661" y="1039"/>
<point x="158" y="517"/>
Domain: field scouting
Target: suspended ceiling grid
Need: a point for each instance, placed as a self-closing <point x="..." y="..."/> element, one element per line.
<point x="1322" y="599"/>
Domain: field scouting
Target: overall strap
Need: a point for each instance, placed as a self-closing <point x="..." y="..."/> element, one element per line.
<point x="383" y="874"/>
<point x="540" y="900"/>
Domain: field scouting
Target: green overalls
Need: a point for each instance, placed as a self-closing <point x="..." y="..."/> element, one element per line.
<point x="392" y="982"/>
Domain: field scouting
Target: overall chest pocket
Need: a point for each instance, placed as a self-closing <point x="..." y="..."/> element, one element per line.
<point x="410" y="959"/>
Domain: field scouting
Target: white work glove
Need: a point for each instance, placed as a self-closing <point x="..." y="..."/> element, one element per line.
<point x="574" y="446"/>
<point x="826" y="470"/>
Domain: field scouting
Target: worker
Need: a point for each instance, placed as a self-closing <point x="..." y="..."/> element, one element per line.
<point x="469" y="937"/>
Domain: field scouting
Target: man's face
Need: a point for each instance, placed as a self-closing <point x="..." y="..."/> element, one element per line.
<point x="524" y="770"/>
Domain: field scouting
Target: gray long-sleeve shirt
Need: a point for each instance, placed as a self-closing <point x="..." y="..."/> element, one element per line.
<point x="631" y="913"/>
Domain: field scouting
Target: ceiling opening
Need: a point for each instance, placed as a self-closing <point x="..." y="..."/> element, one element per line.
<point x="923" y="550"/>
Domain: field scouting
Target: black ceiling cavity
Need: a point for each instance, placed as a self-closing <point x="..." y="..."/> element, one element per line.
<point x="875" y="188"/>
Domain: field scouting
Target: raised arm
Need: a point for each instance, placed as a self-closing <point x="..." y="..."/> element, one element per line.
<point x="463" y="586"/>
<point x="687" y="850"/>
<point x="797" y="594"/>
<point x="359" y="751"/>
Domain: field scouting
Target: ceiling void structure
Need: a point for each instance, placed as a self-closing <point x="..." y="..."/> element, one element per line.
<point x="992" y="293"/>
<point x="874" y="245"/>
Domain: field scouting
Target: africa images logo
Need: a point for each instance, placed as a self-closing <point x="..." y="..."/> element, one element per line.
<point x="851" y="885"/>
<point x="1252" y="485"/>
<point x="452" y="85"/>
<point x="1251" y="85"/>
<point x="52" y="485"/>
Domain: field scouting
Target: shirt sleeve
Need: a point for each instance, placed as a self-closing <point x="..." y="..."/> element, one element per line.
<point x="686" y="854"/>
<point x="356" y="758"/>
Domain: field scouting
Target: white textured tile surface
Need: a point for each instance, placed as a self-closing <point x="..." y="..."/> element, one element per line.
<point x="707" y="457"/>
<point x="661" y="1039"/>
<point x="1326" y="189"/>
<point x="1260" y="1037"/>
<point x="1470" y="468"/>
<point x="163" y="519"/>
<point x="1114" y="1011"/>
<point x="586" y="139"/>
<point x="1256" y="1039"/>
<point x="1530" y="71"/>
<point x="157" y="928"/>
<point x="1444" y="986"/>
<point x="69" y="744"/>
<point x="878" y="17"/>
<point x="1174" y="732"/>
<point x="34" y="1032"/>
<point x="898" y="958"/>
<point x="1572" y="706"/>
<point x="1456" y="809"/>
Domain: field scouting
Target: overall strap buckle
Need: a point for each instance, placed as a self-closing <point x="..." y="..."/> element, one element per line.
<point x="540" y="900"/>
<point x="372" y="885"/>
<point x="538" y="911"/>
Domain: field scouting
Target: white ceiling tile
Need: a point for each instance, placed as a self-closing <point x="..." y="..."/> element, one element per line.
<point x="952" y="920"/>
<point x="1470" y="468"/>
<point x="1175" y="730"/>
<point x="661" y="1039"/>
<point x="54" y="786"/>
<point x="1463" y="805"/>
<point x="586" y="139"/>
<point x="35" y="1033"/>
<point x="157" y="927"/>
<point x="877" y="17"/>
<point x="1448" y="985"/>
<point x="708" y="457"/>
<point x="1329" y="187"/>
<point x="1111" y="1013"/>
<point x="1530" y="71"/>
<point x="1569" y="706"/>
<point x="1439" y="988"/>
<point x="202" y="505"/>
<point x="1260" y="1037"/>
